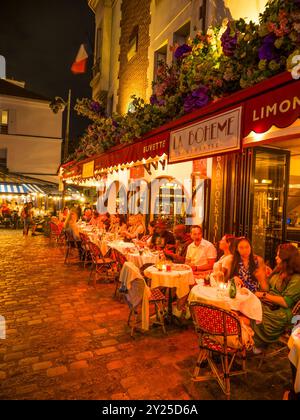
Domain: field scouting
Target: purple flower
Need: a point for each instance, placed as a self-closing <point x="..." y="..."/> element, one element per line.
<point x="182" y="50"/>
<point x="155" y="101"/>
<point x="267" y="50"/>
<point x="228" y="42"/>
<point x="96" y="107"/>
<point x="196" y="99"/>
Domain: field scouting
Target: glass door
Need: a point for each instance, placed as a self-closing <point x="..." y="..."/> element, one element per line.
<point x="271" y="169"/>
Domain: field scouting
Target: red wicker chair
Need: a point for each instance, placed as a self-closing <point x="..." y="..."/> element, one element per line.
<point x="100" y="264"/>
<point x="156" y="302"/>
<point x="86" y="255"/>
<point x="214" y="326"/>
<point x="120" y="260"/>
<point x="56" y="234"/>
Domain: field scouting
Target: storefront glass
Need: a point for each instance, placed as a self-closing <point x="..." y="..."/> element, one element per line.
<point x="270" y="187"/>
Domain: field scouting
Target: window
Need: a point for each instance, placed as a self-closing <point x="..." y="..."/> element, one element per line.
<point x="3" y="122"/>
<point x="182" y="34"/>
<point x="133" y="43"/>
<point x="3" y="158"/>
<point x="202" y="15"/>
<point x="98" y="53"/>
<point x="160" y="56"/>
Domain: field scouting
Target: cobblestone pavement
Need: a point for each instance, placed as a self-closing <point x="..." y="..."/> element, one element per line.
<point x="68" y="340"/>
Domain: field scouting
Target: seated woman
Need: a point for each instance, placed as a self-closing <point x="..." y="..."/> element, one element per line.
<point x="136" y="227"/>
<point x="279" y="293"/>
<point x="243" y="264"/>
<point x="117" y="224"/>
<point x="72" y="229"/>
<point x="146" y="239"/>
<point x="96" y="220"/>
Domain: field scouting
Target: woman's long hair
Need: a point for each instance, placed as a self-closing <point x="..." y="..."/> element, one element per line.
<point x="237" y="259"/>
<point x="290" y="263"/>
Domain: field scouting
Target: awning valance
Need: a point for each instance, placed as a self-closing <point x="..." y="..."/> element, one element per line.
<point x="139" y="151"/>
<point x="9" y="188"/>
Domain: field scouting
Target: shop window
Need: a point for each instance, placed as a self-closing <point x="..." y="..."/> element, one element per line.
<point x="270" y="184"/>
<point x="133" y="43"/>
<point x="3" y="158"/>
<point x="98" y="52"/>
<point x="170" y="202"/>
<point x="160" y="57"/>
<point x="202" y="15"/>
<point x="3" y="122"/>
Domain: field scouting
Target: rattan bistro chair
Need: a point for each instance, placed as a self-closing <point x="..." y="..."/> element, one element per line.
<point x="100" y="264"/>
<point x="215" y="327"/>
<point x="134" y="298"/>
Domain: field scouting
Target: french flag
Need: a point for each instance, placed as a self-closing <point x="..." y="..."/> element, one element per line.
<point x="80" y="63"/>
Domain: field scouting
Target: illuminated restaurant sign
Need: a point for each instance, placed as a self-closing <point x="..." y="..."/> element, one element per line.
<point x="212" y="136"/>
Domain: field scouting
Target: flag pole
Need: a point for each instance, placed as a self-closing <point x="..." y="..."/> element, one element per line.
<point x="67" y="134"/>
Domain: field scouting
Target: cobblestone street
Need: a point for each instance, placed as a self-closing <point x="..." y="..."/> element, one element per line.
<point x="68" y="340"/>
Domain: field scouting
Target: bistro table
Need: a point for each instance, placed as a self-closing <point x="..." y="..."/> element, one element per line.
<point x="180" y="277"/>
<point x="245" y="301"/>
<point x="140" y="258"/>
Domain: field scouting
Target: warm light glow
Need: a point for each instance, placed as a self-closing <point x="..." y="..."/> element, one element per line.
<point x="266" y="181"/>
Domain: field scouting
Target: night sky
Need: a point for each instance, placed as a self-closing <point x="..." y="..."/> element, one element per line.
<point x="40" y="40"/>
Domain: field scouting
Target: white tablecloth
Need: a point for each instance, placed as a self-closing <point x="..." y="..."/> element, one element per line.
<point x="140" y="260"/>
<point x="248" y="304"/>
<point x="180" y="277"/>
<point x="294" y="354"/>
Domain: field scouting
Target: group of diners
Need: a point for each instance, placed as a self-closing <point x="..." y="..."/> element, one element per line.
<point x="278" y="288"/>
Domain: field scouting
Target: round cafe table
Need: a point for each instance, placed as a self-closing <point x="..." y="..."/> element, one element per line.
<point x="141" y="259"/>
<point x="180" y="277"/>
<point x="245" y="301"/>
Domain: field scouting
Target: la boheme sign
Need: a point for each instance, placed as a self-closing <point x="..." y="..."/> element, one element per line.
<point x="213" y="136"/>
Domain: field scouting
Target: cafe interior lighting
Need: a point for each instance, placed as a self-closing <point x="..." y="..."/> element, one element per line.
<point x="266" y="181"/>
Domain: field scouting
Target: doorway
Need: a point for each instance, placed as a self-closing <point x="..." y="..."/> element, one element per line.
<point x="268" y="201"/>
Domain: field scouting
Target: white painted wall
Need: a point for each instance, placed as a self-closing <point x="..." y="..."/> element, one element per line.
<point x="33" y="141"/>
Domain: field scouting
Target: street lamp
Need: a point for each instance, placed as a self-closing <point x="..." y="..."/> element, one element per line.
<point x="56" y="105"/>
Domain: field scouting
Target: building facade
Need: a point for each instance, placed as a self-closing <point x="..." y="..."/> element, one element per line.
<point x="30" y="134"/>
<point x="133" y="36"/>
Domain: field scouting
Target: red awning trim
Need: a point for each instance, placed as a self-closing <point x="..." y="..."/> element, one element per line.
<point x="149" y="148"/>
<point x="125" y="154"/>
<point x="279" y="108"/>
<point x="277" y="89"/>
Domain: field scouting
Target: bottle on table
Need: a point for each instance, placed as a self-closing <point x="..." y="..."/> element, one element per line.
<point x="232" y="289"/>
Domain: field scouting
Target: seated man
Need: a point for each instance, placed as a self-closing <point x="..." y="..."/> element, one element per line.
<point x="201" y="254"/>
<point x="182" y="241"/>
<point x="162" y="238"/>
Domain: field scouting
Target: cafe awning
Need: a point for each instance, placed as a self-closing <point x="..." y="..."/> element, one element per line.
<point x="120" y="156"/>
